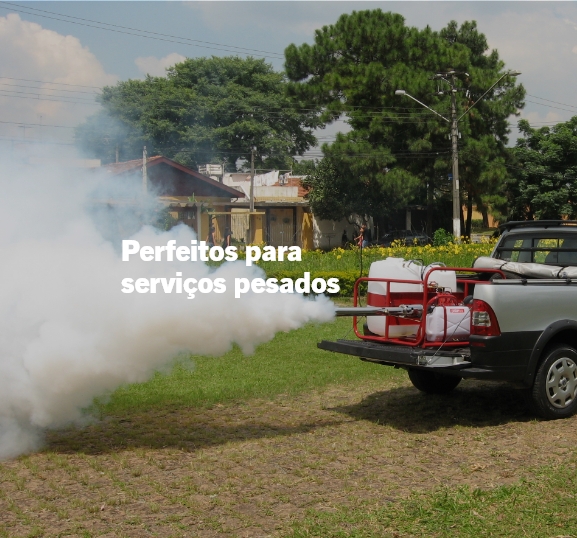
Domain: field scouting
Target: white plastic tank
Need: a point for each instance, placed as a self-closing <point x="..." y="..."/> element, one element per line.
<point x="449" y="323"/>
<point x="401" y="269"/>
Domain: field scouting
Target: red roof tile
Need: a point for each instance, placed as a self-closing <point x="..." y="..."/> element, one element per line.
<point x="136" y="165"/>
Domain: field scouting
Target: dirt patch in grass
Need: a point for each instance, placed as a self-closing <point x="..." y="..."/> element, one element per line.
<point x="250" y="469"/>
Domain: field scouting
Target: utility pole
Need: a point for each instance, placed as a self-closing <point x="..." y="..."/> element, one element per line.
<point x="252" y="150"/>
<point x="455" y="159"/>
<point x="449" y="78"/>
<point x="251" y="204"/>
<point x="454" y="121"/>
<point x="144" y="172"/>
<point x="117" y="152"/>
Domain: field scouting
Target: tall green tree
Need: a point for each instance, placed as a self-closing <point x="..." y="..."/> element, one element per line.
<point x="204" y="110"/>
<point x="397" y="150"/>
<point x="545" y="170"/>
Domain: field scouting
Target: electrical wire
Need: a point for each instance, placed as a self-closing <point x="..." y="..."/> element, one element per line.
<point x="44" y="89"/>
<point x="138" y="32"/>
<point x="52" y="83"/>
<point x="34" y="141"/>
<point x="36" y="124"/>
<point x="273" y="153"/>
<point x="86" y="103"/>
<point x="549" y="106"/>
<point x="272" y="110"/>
<point x="375" y="110"/>
<point x="549" y="101"/>
<point x="37" y="96"/>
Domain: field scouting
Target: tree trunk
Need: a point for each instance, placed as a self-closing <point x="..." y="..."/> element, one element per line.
<point x="469" y="213"/>
<point x="482" y="208"/>
<point x="485" y="214"/>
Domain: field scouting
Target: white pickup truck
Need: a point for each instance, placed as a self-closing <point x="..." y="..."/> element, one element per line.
<point x="512" y="317"/>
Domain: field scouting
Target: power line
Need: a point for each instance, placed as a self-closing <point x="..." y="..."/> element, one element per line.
<point x="549" y="106"/>
<point x="544" y="123"/>
<point x="331" y="137"/>
<point x="44" y="89"/>
<point x="273" y="112"/>
<point x="549" y="101"/>
<point x="316" y="153"/>
<point x="93" y="103"/>
<point x="36" y="124"/>
<point x="350" y="108"/>
<point x="376" y="112"/>
<point x="138" y="32"/>
<point x="53" y="83"/>
<point x="33" y="95"/>
<point x="34" y="141"/>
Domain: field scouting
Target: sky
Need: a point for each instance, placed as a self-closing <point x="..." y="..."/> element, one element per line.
<point x="56" y="55"/>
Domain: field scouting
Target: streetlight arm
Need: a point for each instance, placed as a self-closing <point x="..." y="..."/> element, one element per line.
<point x="403" y="92"/>
<point x="502" y="77"/>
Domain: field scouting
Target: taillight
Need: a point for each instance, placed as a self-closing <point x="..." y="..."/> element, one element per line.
<point x="483" y="320"/>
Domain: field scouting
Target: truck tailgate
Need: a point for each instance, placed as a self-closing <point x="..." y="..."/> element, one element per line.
<point x="403" y="356"/>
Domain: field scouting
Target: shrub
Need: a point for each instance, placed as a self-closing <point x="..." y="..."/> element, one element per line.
<point x="442" y="237"/>
<point x="477" y="225"/>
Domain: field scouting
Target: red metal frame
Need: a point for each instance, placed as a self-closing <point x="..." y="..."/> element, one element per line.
<point x="426" y="298"/>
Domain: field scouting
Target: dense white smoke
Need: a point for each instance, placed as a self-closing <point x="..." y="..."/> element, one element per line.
<point x="69" y="334"/>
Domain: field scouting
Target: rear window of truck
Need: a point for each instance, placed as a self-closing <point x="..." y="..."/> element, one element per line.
<point x="545" y="249"/>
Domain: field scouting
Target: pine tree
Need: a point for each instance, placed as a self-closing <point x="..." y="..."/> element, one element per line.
<point x="398" y="151"/>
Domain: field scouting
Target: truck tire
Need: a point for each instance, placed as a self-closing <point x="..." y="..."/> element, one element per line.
<point x="554" y="392"/>
<point x="432" y="382"/>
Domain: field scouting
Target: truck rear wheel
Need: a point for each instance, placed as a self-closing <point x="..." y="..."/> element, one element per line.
<point x="554" y="393"/>
<point x="432" y="382"/>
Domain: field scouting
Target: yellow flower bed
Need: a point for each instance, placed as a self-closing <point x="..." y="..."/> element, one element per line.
<point x="339" y="259"/>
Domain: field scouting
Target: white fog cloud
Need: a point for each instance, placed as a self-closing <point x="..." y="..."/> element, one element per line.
<point x="151" y="65"/>
<point x="68" y="331"/>
<point x="37" y="54"/>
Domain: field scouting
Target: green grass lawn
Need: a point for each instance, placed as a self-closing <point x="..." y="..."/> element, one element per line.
<point x="289" y="364"/>
<point x="542" y="507"/>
